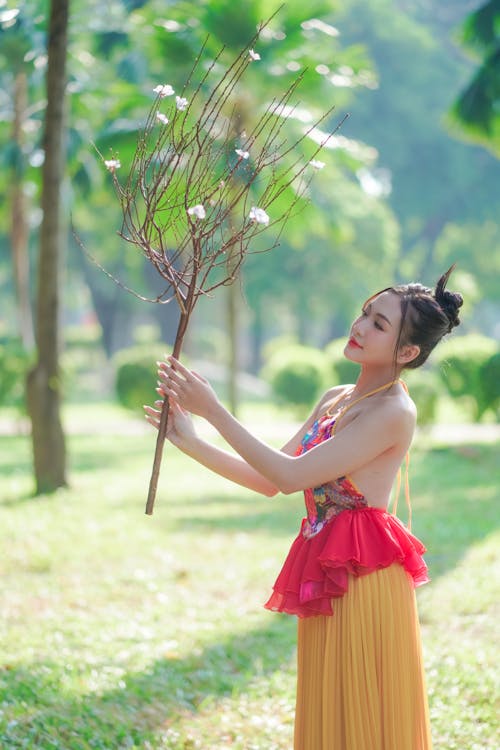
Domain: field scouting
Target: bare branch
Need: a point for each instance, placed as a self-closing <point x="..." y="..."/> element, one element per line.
<point x="198" y="192"/>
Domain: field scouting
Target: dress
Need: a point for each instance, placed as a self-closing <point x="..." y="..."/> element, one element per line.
<point x="350" y="577"/>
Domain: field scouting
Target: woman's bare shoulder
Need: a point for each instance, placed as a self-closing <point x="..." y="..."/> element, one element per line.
<point x="399" y="408"/>
<point x="334" y="393"/>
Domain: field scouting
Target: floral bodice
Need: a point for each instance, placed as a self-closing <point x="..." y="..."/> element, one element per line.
<point x="325" y="502"/>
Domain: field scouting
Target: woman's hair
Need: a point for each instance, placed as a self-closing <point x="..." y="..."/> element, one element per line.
<point x="426" y="315"/>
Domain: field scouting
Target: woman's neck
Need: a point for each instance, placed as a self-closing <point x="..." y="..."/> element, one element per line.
<point x="370" y="379"/>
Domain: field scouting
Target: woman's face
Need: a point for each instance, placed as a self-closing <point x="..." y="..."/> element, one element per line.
<point x="374" y="333"/>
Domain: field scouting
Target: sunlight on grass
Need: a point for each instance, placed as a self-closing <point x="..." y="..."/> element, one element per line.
<point x="125" y="631"/>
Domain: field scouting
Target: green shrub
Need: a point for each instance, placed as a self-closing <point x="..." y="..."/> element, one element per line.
<point x="489" y="376"/>
<point x="82" y="336"/>
<point x="342" y="369"/>
<point x="296" y="374"/>
<point x="425" y="389"/>
<point x="135" y="379"/>
<point x="14" y="364"/>
<point x="461" y="361"/>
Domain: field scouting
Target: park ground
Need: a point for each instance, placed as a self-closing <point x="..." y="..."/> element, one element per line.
<point x="120" y="630"/>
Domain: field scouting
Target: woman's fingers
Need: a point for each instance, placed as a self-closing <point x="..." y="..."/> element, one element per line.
<point x="152" y="415"/>
<point x="169" y="377"/>
<point x="199" y="377"/>
<point x="178" y="366"/>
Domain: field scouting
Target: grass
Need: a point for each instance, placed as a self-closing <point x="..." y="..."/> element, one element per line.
<point x="123" y="631"/>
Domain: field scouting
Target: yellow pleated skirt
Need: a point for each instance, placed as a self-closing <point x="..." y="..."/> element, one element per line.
<point x="360" y="682"/>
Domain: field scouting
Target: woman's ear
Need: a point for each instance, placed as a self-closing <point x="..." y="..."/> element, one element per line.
<point x="407" y="353"/>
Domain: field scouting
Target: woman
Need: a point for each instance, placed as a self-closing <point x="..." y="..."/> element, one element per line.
<point x="351" y="572"/>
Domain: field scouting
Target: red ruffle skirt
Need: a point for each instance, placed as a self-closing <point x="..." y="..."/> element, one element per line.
<point x="354" y="543"/>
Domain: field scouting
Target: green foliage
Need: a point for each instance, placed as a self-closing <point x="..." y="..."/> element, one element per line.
<point x="14" y="364"/>
<point x="462" y="360"/>
<point x="296" y="374"/>
<point x="343" y="370"/>
<point x="476" y="109"/>
<point x="425" y="389"/>
<point x="345" y="242"/>
<point x="135" y="379"/>
<point x="489" y="376"/>
<point x="474" y="248"/>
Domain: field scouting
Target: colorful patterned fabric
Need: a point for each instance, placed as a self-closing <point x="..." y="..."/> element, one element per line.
<point x="341" y="538"/>
<point x="325" y="502"/>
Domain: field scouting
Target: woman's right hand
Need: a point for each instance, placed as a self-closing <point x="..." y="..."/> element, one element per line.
<point x="180" y="428"/>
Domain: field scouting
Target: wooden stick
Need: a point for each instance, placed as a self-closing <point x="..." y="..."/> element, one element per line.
<point x="162" y="430"/>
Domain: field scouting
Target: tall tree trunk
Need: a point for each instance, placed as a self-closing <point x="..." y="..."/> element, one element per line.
<point x="43" y="386"/>
<point x="19" y="225"/>
<point x="111" y="313"/>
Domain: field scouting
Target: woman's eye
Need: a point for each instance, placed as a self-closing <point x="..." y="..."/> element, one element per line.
<point x="377" y="325"/>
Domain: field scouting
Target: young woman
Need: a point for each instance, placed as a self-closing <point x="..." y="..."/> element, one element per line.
<point x="351" y="572"/>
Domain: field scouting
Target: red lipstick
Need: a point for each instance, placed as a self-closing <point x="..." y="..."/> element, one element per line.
<point x="352" y="342"/>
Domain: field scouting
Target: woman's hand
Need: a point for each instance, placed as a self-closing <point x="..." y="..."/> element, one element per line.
<point x="180" y="428"/>
<point x="186" y="388"/>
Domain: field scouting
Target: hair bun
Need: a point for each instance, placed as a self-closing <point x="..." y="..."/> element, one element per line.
<point x="449" y="302"/>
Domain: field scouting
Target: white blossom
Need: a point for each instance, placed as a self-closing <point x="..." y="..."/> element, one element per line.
<point x="162" y="118"/>
<point x="317" y="164"/>
<point x="112" y="164"/>
<point x="181" y="103"/>
<point x="197" y="211"/>
<point x="164" y="90"/>
<point x="258" y="215"/>
<point x="242" y="154"/>
<point x="253" y="55"/>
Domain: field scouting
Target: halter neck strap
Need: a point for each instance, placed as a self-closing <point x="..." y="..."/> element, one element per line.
<point x="346" y="408"/>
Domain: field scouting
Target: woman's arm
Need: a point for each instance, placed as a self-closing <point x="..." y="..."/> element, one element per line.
<point x="372" y="433"/>
<point x="181" y="432"/>
<point x="230" y="467"/>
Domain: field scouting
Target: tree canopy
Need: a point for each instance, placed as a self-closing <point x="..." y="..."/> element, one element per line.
<point x="477" y="109"/>
<point x="396" y="187"/>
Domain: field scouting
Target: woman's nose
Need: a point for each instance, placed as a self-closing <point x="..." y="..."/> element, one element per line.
<point x="356" y="326"/>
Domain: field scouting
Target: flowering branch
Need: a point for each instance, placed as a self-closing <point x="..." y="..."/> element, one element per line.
<point x="199" y="192"/>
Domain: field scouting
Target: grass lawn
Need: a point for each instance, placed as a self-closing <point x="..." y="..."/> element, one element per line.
<point x="119" y="630"/>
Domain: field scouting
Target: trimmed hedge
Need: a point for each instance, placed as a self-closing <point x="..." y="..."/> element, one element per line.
<point x="425" y="389"/>
<point x="297" y="374"/>
<point x="464" y="370"/>
<point x="14" y="365"/>
<point x="135" y="378"/>
<point x="489" y="378"/>
<point x="343" y="370"/>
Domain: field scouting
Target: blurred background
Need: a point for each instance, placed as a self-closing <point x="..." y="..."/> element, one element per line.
<point x="410" y="184"/>
<point x="121" y="632"/>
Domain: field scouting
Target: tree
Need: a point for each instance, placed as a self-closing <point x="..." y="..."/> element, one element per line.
<point x="44" y="382"/>
<point x="477" y="109"/>
<point x="20" y="45"/>
<point x="299" y="38"/>
<point x="434" y="178"/>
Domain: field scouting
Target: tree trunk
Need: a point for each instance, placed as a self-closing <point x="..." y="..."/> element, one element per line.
<point x="44" y="384"/>
<point x="111" y="312"/>
<point x="19" y="225"/>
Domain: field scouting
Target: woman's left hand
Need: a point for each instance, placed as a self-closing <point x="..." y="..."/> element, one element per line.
<point x="189" y="389"/>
